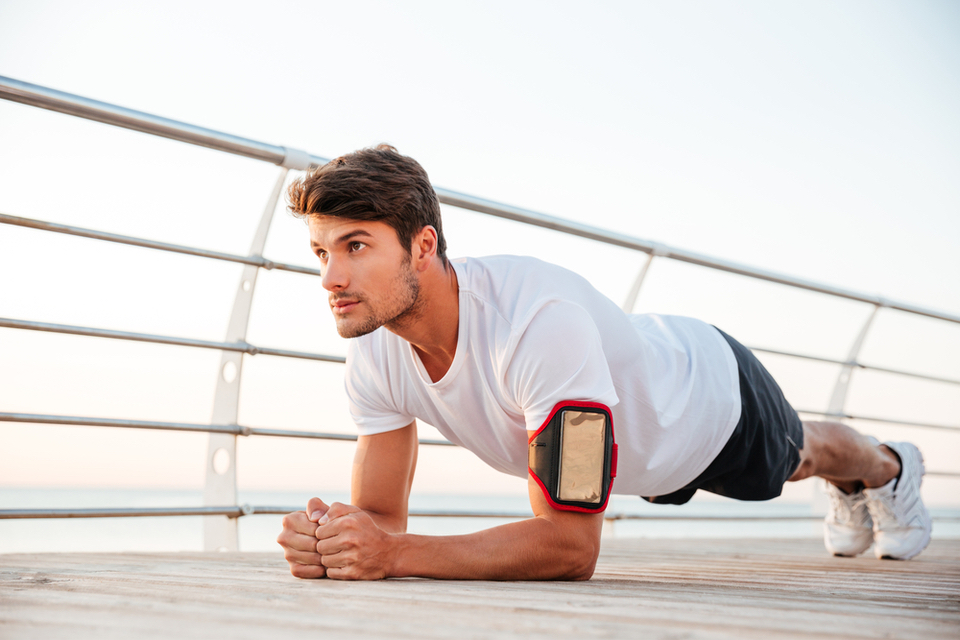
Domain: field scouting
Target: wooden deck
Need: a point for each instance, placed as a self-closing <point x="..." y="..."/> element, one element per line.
<point x="694" y="589"/>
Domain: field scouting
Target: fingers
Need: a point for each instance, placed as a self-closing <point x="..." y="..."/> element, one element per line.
<point x="298" y="534"/>
<point x="334" y="559"/>
<point x="299" y="546"/>
<point x="298" y="542"/>
<point x="338" y="541"/>
<point x="336" y="510"/>
<point x="357" y="560"/>
<point x="297" y="522"/>
<point x="299" y="537"/>
<point x="350" y="564"/>
<point x="315" y="509"/>
<point x="302" y="557"/>
<point x="351" y="545"/>
<point x="304" y="564"/>
<point x="338" y="534"/>
<point x="307" y="571"/>
<point x="340" y="574"/>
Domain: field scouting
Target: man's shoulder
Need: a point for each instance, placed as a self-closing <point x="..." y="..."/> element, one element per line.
<point x="505" y="280"/>
<point x="506" y="263"/>
<point x="503" y="296"/>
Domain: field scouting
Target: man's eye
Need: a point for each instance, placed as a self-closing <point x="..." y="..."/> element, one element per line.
<point x="322" y="255"/>
<point x="356" y="246"/>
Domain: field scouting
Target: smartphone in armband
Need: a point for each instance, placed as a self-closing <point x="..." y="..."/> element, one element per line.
<point x="573" y="457"/>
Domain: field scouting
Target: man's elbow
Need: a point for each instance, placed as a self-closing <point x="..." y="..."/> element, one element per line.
<point x="569" y="545"/>
<point x="581" y="560"/>
<point x="586" y="569"/>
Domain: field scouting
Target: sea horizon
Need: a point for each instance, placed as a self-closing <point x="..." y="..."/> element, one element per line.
<point x="258" y="532"/>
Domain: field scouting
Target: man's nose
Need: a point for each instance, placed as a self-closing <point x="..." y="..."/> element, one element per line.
<point x="335" y="276"/>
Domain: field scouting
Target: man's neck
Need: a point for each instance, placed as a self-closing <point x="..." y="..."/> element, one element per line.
<point x="433" y="332"/>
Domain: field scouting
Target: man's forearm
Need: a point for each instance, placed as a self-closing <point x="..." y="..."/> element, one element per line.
<point x="534" y="549"/>
<point x="367" y="540"/>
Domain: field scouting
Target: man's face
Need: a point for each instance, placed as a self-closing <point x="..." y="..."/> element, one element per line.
<point x="370" y="277"/>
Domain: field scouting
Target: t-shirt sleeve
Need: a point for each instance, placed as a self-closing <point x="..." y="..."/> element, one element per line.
<point x="559" y="356"/>
<point x="367" y="395"/>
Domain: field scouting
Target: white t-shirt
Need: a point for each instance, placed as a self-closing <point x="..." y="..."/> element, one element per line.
<point x="533" y="334"/>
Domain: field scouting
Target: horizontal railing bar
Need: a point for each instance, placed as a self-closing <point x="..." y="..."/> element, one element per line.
<point x="83" y="421"/>
<point x="242" y="347"/>
<point x="257" y="431"/>
<point x="905" y="423"/>
<point x="620" y="516"/>
<point x="415" y="513"/>
<point x="736" y="518"/>
<point x="248" y="510"/>
<point x="19" y="514"/>
<point x="537" y="219"/>
<point x="438" y="513"/>
<point x="286" y="433"/>
<point x="859" y="365"/>
<point x="46" y="98"/>
<point x="74" y="105"/>
<point x="86" y="421"/>
<point x="256" y="261"/>
<point x="900" y="372"/>
<point x="239" y="430"/>
<point x="268" y="264"/>
<point x="303" y="355"/>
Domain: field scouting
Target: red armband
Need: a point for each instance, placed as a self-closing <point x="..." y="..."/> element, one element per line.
<point x="573" y="456"/>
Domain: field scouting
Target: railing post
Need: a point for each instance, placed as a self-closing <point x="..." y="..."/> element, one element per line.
<point x="631" y="299"/>
<point x="220" y="488"/>
<point x="838" y="398"/>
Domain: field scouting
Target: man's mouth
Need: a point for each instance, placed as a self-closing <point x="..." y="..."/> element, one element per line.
<point x="344" y="306"/>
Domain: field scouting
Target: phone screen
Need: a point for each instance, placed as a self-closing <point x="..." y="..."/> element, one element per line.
<point x="581" y="456"/>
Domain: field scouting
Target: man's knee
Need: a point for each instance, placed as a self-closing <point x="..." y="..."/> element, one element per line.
<point x="812" y="439"/>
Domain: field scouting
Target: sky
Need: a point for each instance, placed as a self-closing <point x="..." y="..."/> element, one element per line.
<point x="815" y="139"/>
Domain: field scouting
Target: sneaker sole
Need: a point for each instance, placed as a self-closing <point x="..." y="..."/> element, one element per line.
<point x="915" y="552"/>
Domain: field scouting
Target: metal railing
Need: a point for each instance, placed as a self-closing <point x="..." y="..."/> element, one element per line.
<point x="242" y="510"/>
<point x="223" y="431"/>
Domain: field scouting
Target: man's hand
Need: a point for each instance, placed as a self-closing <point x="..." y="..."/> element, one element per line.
<point x="352" y="546"/>
<point x="299" y="540"/>
<point x="368" y="541"/>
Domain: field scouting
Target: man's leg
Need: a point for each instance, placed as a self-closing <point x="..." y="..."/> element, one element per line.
<point x="874" y="491"/>
<point x="840" y="455"/>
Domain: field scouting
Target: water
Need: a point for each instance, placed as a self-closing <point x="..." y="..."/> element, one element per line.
<point x="259" y="532"/>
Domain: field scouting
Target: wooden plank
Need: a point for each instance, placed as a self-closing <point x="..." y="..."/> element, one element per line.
<point x="700" y="589"/>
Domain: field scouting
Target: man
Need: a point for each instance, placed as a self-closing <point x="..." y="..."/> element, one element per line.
<point x="492" y="351"/>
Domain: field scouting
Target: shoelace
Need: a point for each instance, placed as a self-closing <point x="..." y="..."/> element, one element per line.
<point x="845" y="507"/>
<point x="883" y="510"/>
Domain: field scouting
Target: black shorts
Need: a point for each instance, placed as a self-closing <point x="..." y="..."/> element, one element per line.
<point x="764" y="449"/>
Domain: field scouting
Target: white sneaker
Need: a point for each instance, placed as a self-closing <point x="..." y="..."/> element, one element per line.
<point x="848" y="527"/>
<point x="901" y="523"/>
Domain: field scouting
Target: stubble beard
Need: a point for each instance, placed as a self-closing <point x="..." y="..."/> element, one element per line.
<point x="397" y="312"/>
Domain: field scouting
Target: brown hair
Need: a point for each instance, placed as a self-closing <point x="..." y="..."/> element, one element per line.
<point x="372" y="184"/>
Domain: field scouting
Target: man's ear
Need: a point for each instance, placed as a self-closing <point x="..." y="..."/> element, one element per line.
<point x="424" y="247"/>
